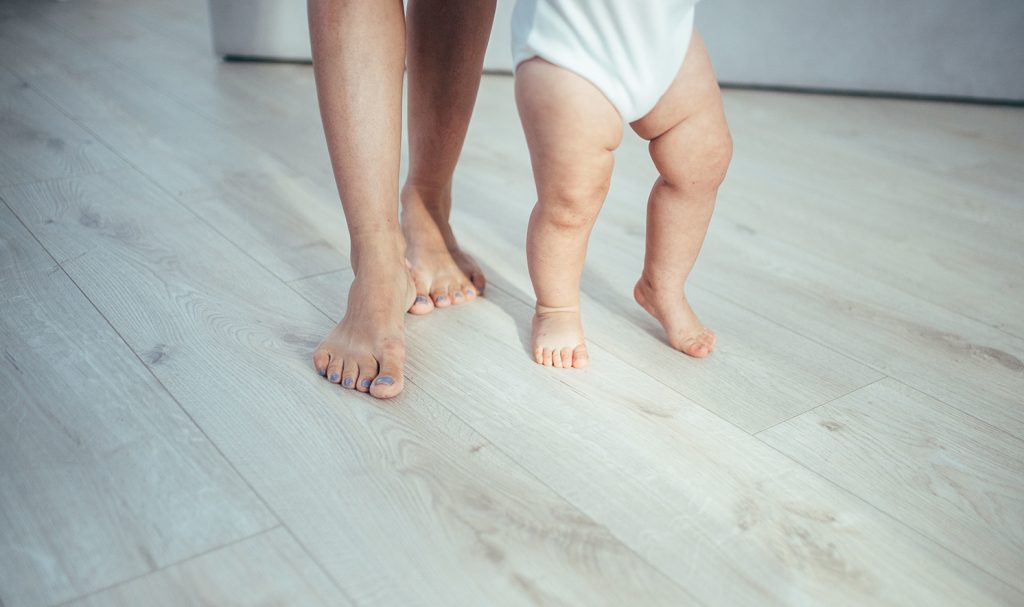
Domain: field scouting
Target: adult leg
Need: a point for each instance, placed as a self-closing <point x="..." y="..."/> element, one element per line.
<point x="572" y="130"/>
<point x="691" y="147"/>
<point x="358" y="57"/>
<point x="446" y="43"/>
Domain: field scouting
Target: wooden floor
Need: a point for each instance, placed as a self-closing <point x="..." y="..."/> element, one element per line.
<point x="172" y="249"/>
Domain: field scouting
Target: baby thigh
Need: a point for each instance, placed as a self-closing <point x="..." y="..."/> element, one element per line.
<point x="572" y="130"/>
<point x="689" y="138"/>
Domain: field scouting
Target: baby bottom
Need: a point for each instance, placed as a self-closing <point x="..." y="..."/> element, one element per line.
<point x="572" y="131"/>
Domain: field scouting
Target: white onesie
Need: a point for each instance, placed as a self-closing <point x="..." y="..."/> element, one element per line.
<point x="631" y="50"/>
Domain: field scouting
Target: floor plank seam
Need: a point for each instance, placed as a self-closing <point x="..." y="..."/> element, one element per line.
<point x="857" y="269"/>
<point x="343" y="271"/>
<point x="920" y="534"/>
<point x="189" y="416"/>
<point x="977" y="419"/>
<point x="132" y="166"/>
<point x="133" y="578"/>
<point x="171" y="94"/>
<point x="852" y="358"/>
<point x="816" y="407"/>
<point x="692" y="399"/>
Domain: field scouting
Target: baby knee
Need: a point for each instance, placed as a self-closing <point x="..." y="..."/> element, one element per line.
<point x="704" y="166"/>
<point x="572" y="206"/>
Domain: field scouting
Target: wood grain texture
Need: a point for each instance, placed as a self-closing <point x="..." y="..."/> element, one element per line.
<point x="929" y="186"/>
<point x="774" y="373"/>
<point x="103" y="477"/>
<point x="911" y="338"/>
<point x="38" y="142"/>
<point x="854" y="239"/>
<point x="394" y="499"/>
<point x="733" y="521"/>
<point x="268" y="569"/>
<point x="955" y="479"/>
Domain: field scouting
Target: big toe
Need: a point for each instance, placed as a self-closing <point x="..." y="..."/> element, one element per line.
<point x="421" y="305"/>
<point x="390" y="380"/>
<point x="697" y="347"/>
<point x="477" y="278"/>
<point x="580" y="357"/>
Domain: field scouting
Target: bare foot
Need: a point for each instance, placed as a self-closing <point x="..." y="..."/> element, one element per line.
<point x="558" y="338"/>
<point x="366" y="350"/>
<point x="442" y="273"/>
<point x="684" y="330"/>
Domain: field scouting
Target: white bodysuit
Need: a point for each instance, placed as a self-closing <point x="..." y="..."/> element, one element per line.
<point x="631" y="50"/>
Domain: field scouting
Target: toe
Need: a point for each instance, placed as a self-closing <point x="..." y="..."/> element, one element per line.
<point x="321" y="360"/>
<point x="470" y="293"/>
<point x="538" y="355"/>
<point x="421" y="305"/>
<point x="556" y="358"/>
<point x="477" y="278"/>
<point x="390" y="381"/>
<point x="441" y="298"/>
<point x="580" y="357"/>
<point x="367" y="372"/>
<point x="458" y="297"/>
<point x="334" y="371"/>
<point x="546" y="357"/>
<point x="349" y="374"/>
<point x="566" y="355"/>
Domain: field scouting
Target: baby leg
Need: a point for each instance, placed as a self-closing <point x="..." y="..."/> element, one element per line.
<point x="691" y="147"/>
<point x="571" y="129"/>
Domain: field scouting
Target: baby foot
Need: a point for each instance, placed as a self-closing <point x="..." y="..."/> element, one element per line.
<point x="366" y="350"/>
<point x="558" y="338"/>
<point x="684" y="330"/>
<point x="442" y="273"/>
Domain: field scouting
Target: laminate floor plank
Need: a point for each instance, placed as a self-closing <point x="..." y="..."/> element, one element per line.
<point x="914" y="339"/>
<point x="268" y="569"/>
<point x="242" y="190"/>
<point x="37" y="142"/>
<point x="774" y="373"/>
<point x="729" y="518"/>
<point x="104" y="477"/>
<point x="395" y="500"/>
<point x="953" y="478"/>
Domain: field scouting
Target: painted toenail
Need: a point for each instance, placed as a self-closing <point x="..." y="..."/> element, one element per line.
<point x="334" y="376"/>
<point x="441" y="298"/>
<point x="365" y="383"/>
<point x="348" y="381"/>
<point x="470" y="292"/>
<point x="420" y="299"/>
<point x="384" y="380"/>
<point x="322" y="371"/>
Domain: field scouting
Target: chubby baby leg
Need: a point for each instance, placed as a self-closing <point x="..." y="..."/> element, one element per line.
<point x="571" y="129"/>
<point x="691" y="147"/>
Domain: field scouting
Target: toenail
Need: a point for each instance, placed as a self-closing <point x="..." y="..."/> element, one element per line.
<point x="334" y="376"/>
<point x="470" y="292"/>
<point x="441" y="298"/>
<point x="348" y="381"/>
<point x="322" y="371"/>
<point x="384" y="380"/>
<point x="458" y="296"/>
<point x="420" y="299"/>
<point x="365" y="383"/>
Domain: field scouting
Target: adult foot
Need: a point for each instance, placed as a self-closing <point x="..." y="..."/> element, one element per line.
<point x="684" y="330"/>
<point x="366" y="350"/>
<point x="442" y="273"/>
<point x="558" y="338"/>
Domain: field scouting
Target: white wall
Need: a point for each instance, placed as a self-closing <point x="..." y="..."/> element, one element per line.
<point x="922" y="47"/>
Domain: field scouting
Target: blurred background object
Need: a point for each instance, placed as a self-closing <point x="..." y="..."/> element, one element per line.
<point x="933" y="48"/>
